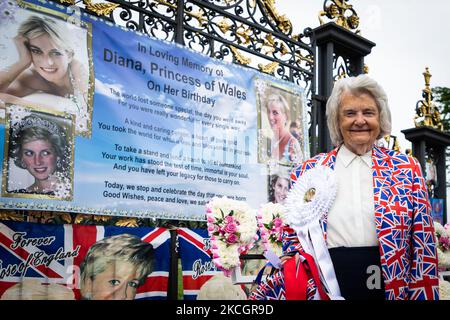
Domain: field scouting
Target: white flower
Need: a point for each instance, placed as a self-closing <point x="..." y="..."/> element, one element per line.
<point x="222" y="213"/>
<point x="270" y="209"/>
<point x="439" y="229"/>
<point x="443" y="258"/>
<point x="444" y="290"/>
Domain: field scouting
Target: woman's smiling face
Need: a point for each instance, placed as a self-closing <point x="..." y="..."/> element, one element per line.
<point x="39" y="158"/>
<point x="276" y="115"/>
<point x="49" y="61"/>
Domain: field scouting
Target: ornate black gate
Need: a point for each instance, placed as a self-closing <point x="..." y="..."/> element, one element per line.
<point x="247" y="32"/>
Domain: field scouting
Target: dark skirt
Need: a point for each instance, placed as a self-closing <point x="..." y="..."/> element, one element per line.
<point x="358" y="272"/>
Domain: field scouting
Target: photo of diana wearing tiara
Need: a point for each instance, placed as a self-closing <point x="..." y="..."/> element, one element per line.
<point x="39" y="155"/>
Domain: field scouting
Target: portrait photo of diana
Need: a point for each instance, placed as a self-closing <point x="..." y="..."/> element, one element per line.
<point x="281" y="135"/>
<point x="46" y="62"/>
<point x="38" y="158"/>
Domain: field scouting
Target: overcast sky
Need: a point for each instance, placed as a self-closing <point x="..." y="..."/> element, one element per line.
<point x="409" y="35"/>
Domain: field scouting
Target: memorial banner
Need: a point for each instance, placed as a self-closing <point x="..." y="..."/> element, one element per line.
<point x="66" y="262"/>
<point x="100" y="119"/>
<point x="196" y="263"/>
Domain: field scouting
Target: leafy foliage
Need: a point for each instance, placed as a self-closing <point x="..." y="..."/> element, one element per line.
<point x="441" y="97"/>
<point x="442" y="100"/>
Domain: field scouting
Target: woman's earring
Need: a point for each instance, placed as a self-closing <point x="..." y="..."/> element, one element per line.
<point x="58" y="163"/>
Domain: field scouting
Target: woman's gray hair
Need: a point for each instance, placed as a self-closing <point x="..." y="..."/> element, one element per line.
<point x="356" y="86"/>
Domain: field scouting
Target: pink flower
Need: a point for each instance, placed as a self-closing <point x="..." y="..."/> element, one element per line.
<point x="210" y="219"/>
<point x="277" y="222"/>
<point x="230" y="228"/>
<point x="445" y="242"/>
<point x="232" y="238"/>
<point x="229" y="219"/>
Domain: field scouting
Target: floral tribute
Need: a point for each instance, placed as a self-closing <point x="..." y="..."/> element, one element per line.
<point x="232" y="229"/>
<point x="270" y="224"/>
<point x="443" y="244"/>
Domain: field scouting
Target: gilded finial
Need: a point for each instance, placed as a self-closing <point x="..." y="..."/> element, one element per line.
<point x="427" y="114"/>
<point x="427" y="77"/>
<point x="341" y="13"/>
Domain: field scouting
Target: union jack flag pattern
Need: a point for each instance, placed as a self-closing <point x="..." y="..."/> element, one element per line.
<point x="53" y="254"/>
<point x="196" y="262"/>
<point x="404" y="227"/>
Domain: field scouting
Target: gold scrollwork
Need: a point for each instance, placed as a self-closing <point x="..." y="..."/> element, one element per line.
<point x="224" y="26"/>
<point x="341" y="74"/>
<point x="268" y="68"/>
<point x="80" y="218"/>
<point x="282" y="22"/>
<point x="245" y="34"/>
<point x="239" y="57"/>
<point x="67" y="1"/>
<point x="83" y="218"/>
<point x="283" y="49"/>
<point x="395" y="144"/>
<point x="366" y="69"/>
<point x="198" y="15"/>
<point x="269" y="44"/>
<point x="337" y="10"/>
<point x="11" y="216"/>
<point x="101" y="9"/>
<point x="426" y="110"/>
<point x="299" y="58"/>
<point x="128" y="222"/>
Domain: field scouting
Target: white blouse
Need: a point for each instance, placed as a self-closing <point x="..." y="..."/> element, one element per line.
<point x="351" y="220"/>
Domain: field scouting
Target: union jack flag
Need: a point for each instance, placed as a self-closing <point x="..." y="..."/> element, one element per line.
<point x="53" y="254"/>
<point x="196" y="262"/>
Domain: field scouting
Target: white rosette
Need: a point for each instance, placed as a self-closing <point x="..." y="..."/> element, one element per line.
<point x="307" y="203"/>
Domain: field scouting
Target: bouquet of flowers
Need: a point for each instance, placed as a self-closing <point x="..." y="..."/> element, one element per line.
<point x="270" y="223"/>
<point x="443" y="244"/>
<point x="232" y="229"/>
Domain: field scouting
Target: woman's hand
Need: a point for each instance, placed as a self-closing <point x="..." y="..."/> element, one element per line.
<point x="24" y="53"/>
<point x="9" y="98"/>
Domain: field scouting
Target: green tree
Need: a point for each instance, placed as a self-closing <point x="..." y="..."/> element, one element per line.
<point x="441" y="97"/>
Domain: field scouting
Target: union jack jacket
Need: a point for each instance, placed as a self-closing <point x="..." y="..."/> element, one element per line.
<point x="404" y="228"/>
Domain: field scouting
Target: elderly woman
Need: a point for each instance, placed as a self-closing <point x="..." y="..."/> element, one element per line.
<point x="284" y="147"/>
<point x="39" y="146"/>
<point x="115" y="267"/>
<point x="378" y="231"/>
